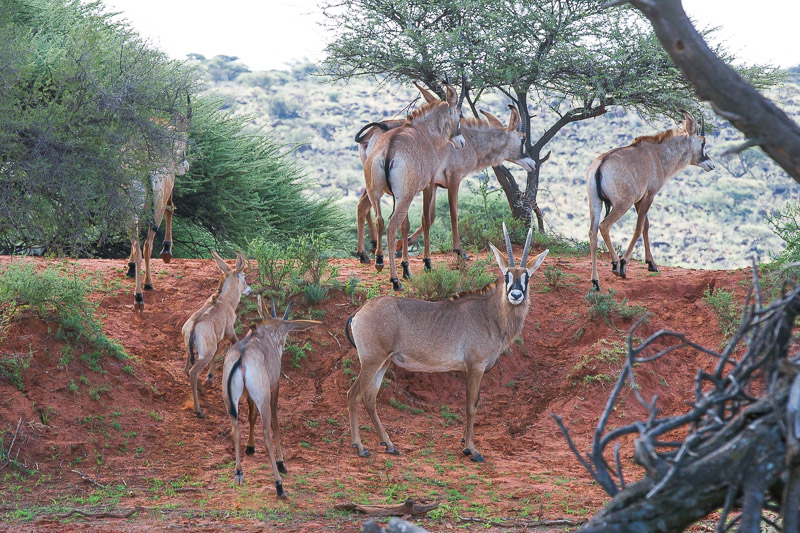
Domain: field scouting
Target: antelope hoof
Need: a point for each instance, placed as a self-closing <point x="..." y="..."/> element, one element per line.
<point x="138" y="302"/>
<point x="427" y="262"/>
<point x="406" y="271"/>
<point x="200" y="414"/>
<point x="615" y="268"/>
<point x="281" y="467"/>
<point x="393" y="450"/>
<point x="396" y="285"/>
<point x="166" y="252"/>
<point x="362" y="256"/>
<point x="466" y="451"/>
<point x="131" y="273"/>
<point x="477" y="458"/>
<point x="622" y="263"/>
<point x="596" y="285"/>
<point x="250" y="450"/>
<point x="148" y="286"/>
<point x="238" y="477"/>
<point x="461" y="254"/>
<point x="374" y="245"/>
<point x="279" y="489"/>
<point x="379" y="263"/>
<point x="651" y="266"/>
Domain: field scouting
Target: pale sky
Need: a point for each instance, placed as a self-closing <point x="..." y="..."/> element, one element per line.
<point x="273" y="33"/>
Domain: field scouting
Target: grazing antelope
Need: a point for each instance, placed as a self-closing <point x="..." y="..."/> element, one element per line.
<point x="466" y="333"/>
<point x="405" y="161"/>
<point x="160" y="186"/>
<point x="252" y="368"/>
<point x="632" y="176"/>
<point x="488" y="144"/>
<point x="211" y="323"/>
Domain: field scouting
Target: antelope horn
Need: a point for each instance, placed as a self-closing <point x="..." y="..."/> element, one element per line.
<point x="703" y="126"/>
<point x="286" y="314"/>
<point x="527" y="247"/>
<point x="508" y="246"/>
<point x="463" y="89"/>
<point x="274" y="314"/>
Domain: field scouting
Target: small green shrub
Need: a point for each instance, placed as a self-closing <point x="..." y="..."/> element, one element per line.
<point x="554" y="277"/>
<point x="12" y="366"/>
<point x="298" y="352"/>
<point x="442" y="282"/>
<point x="728" y="312"/>
<point x="277" y="265"/>
<point x="602" y="304"/>
<point x="58" y="293"/>
<point x="314" y="292"/>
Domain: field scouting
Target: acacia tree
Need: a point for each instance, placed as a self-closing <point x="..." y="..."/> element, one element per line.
<point x="86" y="109"/>
<point x="570" y="56"/>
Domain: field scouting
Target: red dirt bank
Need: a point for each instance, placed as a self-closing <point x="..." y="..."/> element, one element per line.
<point x="131" y="430"/>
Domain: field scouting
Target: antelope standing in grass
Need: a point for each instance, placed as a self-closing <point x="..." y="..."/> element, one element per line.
<point x="466" y="333"/>
<point x="157" y="192"/>
<point x="252" y="368"/>
<point x="211" y="323"/>
<point x="405" y="161"/>
<point x="632" y="176"/>
<point x="488" y="144"/>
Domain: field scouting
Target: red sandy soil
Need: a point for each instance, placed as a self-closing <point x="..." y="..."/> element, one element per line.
<point x="145" y="447"/>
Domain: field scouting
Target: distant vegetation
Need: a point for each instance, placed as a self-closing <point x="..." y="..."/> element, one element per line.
<point x="714" y="220"/>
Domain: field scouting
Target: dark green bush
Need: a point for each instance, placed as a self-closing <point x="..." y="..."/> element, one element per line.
<point x="442" y="282"/>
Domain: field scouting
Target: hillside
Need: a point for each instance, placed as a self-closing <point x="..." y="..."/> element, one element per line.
<point x="122" y="436"/>
<point x="714" y="220"/>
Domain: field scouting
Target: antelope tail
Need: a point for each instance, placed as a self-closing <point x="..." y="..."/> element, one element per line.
<point x="360" y="135"/>
<point x="190" y="349"/>
<point x="598" y="176"/>
<point x="387" y="168"/>
<point x="348" y="331"/>
<point x="233" y="409"/>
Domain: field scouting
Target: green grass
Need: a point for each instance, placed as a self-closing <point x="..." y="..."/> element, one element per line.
<point x="442" y="282"/>
<point x="298" y="352"/>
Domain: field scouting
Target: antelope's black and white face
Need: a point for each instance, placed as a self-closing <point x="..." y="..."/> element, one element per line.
<point x="516" y="278"/>
<point x="700" y="156"/>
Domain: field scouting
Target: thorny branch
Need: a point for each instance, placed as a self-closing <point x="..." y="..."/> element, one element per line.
<point x="741" y="444"/>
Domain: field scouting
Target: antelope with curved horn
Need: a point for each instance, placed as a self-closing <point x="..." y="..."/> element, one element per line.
<point x="466" y="333"/>
<point x="631" y="176"/>
<point x="211" y="323"/>
<point x="252" y="368"/>
<point x="405" y="161"/>
<point x="488" y="144"/>
<point x="161" y="184"/>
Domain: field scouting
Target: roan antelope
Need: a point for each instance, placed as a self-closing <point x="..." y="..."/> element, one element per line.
<point x="157" y="193"/>
<point x="252" y="368"/>
<point x="488" y="144"/>
<point x="405" y="161"/>
<point x="211" y="323"/>
<point x="467" y="333"/>
<point x="632" y="176"/>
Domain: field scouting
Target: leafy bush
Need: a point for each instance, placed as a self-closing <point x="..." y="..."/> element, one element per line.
<point x="314" y="292"/>
<point x="786" y="224"/>
<point x="58" y="294"/>
<point x="605" y="306"/>
<point x="728" y="312"/>
<point x="442" y="282"/>
<point x="277" y="267"/>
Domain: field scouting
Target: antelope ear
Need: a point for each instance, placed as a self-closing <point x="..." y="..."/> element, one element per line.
<point x="513" y="121"/>
<point x="425" y="94"/>
<point x="537" y="262"/>
<point x="493" y="120"/>
<point x="502" y="262"/>
<point x="262" y="312"/>
<point x="240" y="261"/>
<point x="300" y="325"/>
<point x="452" y="95"/>
<point x="223" y="266"/>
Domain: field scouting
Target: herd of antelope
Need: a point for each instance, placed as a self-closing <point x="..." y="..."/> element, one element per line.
<point x="435" y="146"/>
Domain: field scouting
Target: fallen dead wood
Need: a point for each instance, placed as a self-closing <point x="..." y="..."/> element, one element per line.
<point x="522" y="524"/>
<point x="408" y="507"/>
<point x="87" y="478"/>
<point x="94" y="514"/>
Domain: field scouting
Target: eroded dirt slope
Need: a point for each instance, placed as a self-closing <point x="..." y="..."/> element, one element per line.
<point x="125" y="436"/>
